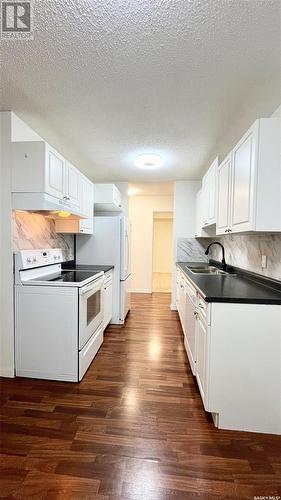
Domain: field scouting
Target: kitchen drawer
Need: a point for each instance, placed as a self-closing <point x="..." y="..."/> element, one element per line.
<point x="88" y="353"/>
<point x="204" y="309"/>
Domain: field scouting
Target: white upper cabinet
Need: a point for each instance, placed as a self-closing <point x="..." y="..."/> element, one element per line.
<point x="201" y="230"/>
<point x="87" y="206"/>
<point x="55" y="169"/>
<point x="86" y="202"/>
<point x="43" y="180"/>
<point x="199" y="220"/>
<point x="249" y="181"/>
<point x="212" y="182"/>
<point x="223" y="200"/>
<point x="72" y="177"/>
<point x="209" y="191"/>
<point x="244" y="165"/>
<point x="107" y="198"/>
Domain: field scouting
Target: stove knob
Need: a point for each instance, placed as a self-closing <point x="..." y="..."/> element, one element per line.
<point x="34" y="259"/>
<point x="28" y="259"/>
<point x="55" y="257"/>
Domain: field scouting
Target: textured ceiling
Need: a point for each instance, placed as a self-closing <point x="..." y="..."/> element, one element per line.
<point x="104" y="80"/>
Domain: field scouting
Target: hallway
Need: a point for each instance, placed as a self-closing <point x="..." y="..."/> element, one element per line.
<point x="134" y="428"/>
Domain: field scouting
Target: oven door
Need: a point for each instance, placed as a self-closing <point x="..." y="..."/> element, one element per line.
<point x="90" y="310"/>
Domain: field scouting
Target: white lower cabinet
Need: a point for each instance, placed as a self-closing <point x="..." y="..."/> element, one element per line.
<point x="201" y="357"/>
<point x="107" y="299"/>
<point x="234" y="353"/>
<point x="190" y="324"/>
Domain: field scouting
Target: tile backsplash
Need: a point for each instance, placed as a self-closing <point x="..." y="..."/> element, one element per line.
<point x="33" y="231"/>
<point x="191" y="250"/>
<point x="243" y="251"/>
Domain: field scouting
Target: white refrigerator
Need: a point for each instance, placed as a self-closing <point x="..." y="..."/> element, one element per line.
<point x="110" y="245"/>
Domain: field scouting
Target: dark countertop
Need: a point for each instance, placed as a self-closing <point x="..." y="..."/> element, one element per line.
<point x="85" y="267"/>
<point x="241" y="287"/>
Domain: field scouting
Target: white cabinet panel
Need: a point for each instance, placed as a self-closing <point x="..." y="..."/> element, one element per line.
<point x="199" y="220"/>
<point x="201" y="358"/>
<point x="72" y="176"/>
<point x="190" y="325"/>
<point x="212" y="182"/>
<point x="86" y="208"/>
<point x="87" y="205"/>
<point x="243" y="182"/>
<point x="107" y="198"/>
<point x="107" y="301"/>
<point x="55" y="174"/>
<point x="249" y="181"/>
<point x="224" y="178"/>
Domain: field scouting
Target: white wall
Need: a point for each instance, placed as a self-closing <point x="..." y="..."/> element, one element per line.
<point x="6" y="263"/>
<point x="184" y="216"/>
<point x="141" y="209"/>
<point x="11" y="129"/>
<point x="162" y="240"/>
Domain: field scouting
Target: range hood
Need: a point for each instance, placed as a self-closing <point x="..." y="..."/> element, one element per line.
<point x="44" y="204"/>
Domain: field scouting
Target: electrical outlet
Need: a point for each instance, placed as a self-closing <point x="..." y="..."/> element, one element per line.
<point x="263" y="261"/>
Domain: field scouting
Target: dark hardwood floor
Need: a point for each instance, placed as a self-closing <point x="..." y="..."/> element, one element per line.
<point x="134" y="428"/>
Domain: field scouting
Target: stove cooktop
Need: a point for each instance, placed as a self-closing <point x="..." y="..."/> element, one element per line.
<point x="65" y="278"/>
<point x="75" y="276"/>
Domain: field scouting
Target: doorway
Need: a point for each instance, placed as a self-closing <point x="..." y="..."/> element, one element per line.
<point x="162" y="252"/>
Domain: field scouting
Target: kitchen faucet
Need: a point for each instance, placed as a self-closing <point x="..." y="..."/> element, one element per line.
<point x="223" y="263"/>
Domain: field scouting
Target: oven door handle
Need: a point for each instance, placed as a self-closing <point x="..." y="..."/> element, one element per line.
<point x="97" y="285"/>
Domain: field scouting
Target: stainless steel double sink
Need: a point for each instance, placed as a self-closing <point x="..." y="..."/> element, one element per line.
<point x="210" y="271"/>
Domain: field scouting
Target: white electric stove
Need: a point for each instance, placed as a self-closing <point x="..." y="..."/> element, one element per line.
<point x="58" y="316"/>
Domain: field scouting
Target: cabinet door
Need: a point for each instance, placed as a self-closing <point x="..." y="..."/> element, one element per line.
<point x="55" y="174"/>
<point x="117" y="197"/>
<point x="201" y="358"/>
<point x="243" y="183"/>
<point x="212" y="186"/>
<point x="205" y="200"/>
<point x="72" y="176"/>
<point x="178" y="291"/>
<point x="198" y="229"/>
<point x="190" y="325"/>
<point x="181" y="304"/>
<point x="224" y="180"/>
<point x="107" y="304"/>
<point x="86" y="195"/>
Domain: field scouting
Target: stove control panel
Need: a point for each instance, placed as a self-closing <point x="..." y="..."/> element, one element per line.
<point x="28" y="259"/>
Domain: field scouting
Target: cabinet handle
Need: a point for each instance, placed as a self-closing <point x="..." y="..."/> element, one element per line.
<point x="226" y="231"/>
<point x="195" y="313"/>
<point x="201" y="306"/>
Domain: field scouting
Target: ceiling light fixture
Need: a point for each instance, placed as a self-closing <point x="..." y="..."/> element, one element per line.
<point x="149" y="161"/>
<point x="132" y="191"/>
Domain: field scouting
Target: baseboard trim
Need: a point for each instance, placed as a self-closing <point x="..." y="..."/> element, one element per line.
<point x="7" y="373"/>
<point x="140" y="290"/>
<point x="173" y="307"/>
